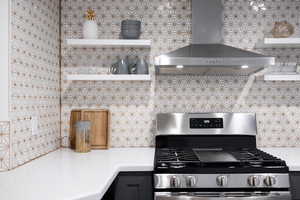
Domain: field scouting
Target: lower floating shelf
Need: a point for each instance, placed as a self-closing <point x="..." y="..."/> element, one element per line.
<point x="291" y="76"/>
<point x="110" y="77"/>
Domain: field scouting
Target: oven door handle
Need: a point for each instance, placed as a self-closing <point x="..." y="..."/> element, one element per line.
<point x="223" y="195"/>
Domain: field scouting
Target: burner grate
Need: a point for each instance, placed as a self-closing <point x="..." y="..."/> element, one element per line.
<point x="255" y="156"/>
<point x="177" y="155"/>
<point x="184" y="158"/>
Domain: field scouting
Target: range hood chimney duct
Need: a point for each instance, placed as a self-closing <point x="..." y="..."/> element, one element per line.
<point x="207" y="22"/>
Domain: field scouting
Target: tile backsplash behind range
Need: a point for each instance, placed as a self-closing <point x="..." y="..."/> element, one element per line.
<point x="167" y="23"/>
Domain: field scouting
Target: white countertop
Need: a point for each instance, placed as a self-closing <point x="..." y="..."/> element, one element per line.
<point x="66" y="175"/>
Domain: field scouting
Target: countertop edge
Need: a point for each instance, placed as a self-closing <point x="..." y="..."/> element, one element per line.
<point x="294" y="169"/>
<point x="121" y="168"/>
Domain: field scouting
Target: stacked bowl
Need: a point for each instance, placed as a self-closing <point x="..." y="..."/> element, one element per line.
<point x="131" y="29"/>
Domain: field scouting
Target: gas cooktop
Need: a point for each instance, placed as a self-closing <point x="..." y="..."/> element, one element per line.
<point x="200" y="159"/>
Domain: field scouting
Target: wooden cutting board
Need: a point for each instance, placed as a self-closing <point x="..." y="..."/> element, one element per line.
<point x="99" y="130"/>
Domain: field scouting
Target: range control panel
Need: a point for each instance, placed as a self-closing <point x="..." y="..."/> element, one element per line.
<point x="205" y="123"/>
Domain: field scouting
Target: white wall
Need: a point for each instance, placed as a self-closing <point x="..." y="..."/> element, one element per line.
<point x="4" y="60"/>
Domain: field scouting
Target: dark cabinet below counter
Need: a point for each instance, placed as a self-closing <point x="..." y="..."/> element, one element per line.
<point x="131" y="185"/>
<point x="295" y="185"/>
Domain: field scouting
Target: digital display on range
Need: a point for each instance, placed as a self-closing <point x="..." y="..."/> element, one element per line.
<point x="205" y="123"/>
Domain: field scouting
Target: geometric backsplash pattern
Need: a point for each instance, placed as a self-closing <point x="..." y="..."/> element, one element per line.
<point x="168" y="24"/>
<point x="4" y="146"/>
<point x="35" y="73"/>
<point x="35" y="78"/>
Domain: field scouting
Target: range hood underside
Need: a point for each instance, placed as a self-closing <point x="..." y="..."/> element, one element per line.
<point x="209" y="71"/>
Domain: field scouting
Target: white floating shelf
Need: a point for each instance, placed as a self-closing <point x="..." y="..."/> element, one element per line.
<point x="108" y="43"/>
<point x="281" y="42"/>
<point x="109" y="77"/>
<point x="282" y="76"/>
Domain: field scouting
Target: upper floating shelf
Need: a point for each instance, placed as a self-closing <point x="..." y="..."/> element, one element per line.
<point x="282" y="76"/>
<point x="108" y="43"/>
<point x="280" y="43"/>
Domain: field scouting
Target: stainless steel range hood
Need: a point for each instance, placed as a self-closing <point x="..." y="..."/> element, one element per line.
<point x="207" y="55"/>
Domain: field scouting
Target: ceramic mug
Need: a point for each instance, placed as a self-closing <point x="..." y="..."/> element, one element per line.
<point x="121" y="67"/>
<point x="132" y="68"/>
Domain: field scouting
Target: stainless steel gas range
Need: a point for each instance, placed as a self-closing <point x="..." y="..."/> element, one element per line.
<point x="213" y="156"/>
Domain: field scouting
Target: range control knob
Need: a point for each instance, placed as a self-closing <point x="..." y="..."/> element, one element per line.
<point x="174" y="182"/>
<point x="270" y="181"/>
<point x="222" y="181"/>
<point x="254" y="181"/>
<point x="191" y="181"/>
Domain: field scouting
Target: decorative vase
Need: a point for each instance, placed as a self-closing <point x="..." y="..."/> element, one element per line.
<point x="142" y="67"/>
<point x="90" y="26"/>
<point x="90" y="29"/>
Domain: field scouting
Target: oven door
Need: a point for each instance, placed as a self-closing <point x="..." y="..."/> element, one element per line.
<point x="223" y="195"/>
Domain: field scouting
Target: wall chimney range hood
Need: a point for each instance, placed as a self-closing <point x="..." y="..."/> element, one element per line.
<point x="207" y="55"/>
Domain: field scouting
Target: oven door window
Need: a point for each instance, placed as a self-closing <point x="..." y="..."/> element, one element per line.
<point x="222" y="196"/>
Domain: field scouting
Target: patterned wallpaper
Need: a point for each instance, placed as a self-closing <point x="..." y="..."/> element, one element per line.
<point x="35" y="78"/>
<point x="167" y="23"/>
<point x="4" y="146"/>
